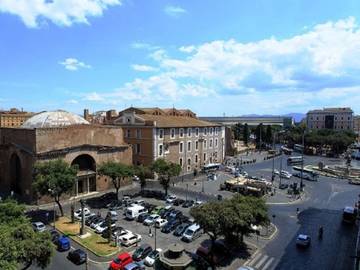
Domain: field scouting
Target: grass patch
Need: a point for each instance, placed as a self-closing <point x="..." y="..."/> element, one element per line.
<point x="94" y="242"/>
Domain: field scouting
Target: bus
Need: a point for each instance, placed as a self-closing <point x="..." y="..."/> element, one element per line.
<point x="211" y="167"/>
<point x="349" y="214"/>
<point x="295" y="160"/>
<point x="298" y="148"/>
<point x="307" y="174"/>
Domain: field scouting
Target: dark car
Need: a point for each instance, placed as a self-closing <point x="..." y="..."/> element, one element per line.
<point x="54" y="236"/>
<point x="63" y="243"/>
<point x="141" y="218"/>
<point x="180" y="229"/>
<point x="178" y="202"/>
<point x="170" y="226"/>
<point x="188" y="204"/>
<point x="164" y="213"/>
<point x="115" y="205"/>
<point x="89" y="220"/>
<point x="77" y="256"/>
<point x="149" y="206"/>
<point x="283" y="186"/>
<point x="141" y="252"/>
<point x="175" y="214"/>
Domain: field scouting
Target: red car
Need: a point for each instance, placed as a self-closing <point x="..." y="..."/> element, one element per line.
<point x="121" y="261"/>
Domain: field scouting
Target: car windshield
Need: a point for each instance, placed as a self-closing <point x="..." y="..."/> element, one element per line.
<point x="189" y="232"/>
<point x="139" y="251"/>
<point x="153" y="254"/>
<point x="117" y="261"/>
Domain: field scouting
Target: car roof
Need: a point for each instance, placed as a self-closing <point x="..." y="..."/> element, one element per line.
<point x="123" y="255"/>
<point x="194" y="227"/>
<point x="37" y="223"/>
<point x="303" y="236"/>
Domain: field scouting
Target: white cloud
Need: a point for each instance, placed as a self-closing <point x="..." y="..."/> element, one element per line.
<point x="143" y="45"/>
<point x="93" y="97"/>
<point x="318" y="67"/>
<point x="73" y="64"/>
<point x="174" y="11"/>
<point x="60" y="12"/>
<point x="72" y="101"/>
<point x="143" y="68"/>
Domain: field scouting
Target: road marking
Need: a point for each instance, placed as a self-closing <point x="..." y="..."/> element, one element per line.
<point x="261" y="261"/>
<point x="255" y="258"/>
<point x="268" y="264"/>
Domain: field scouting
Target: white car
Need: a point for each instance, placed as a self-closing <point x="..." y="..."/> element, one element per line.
<point x="198" y="202"/>
<point x="286" y="174"/>
<point x="276" y="172"/>
<point x="159" y="223"/>
<point x="170" y="198"/>
<point x="123" y="233"/>
<point x="151" y="258"/>
<point x="38" y="226"/>
<point x="130" y="239"/>
<point x="103" y="226"/>
<point x="245" y="268"/>
<point x="138" y="202"/>
<point x="77" y="213"/>
<point x="151" y="219"/>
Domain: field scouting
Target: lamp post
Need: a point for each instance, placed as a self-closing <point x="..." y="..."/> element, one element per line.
<point x="82" y="202"/>
<point x="281" y="161"/>
<point x="302" y="160"/>
<point x="187" y="189"/>
<point x="54" y="214"/>
<point x="273" y="160"/>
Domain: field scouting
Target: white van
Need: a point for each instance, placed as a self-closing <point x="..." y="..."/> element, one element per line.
<point x="191" y="233"/>
<point x="134" y="211"/>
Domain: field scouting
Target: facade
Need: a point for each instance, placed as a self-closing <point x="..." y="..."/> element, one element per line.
<point x="53" y="135"/>
<point x="284" y="121"/>
<point x="357" y="124"/>
<point x="13" y="118"/>
<point x="330" y="118"/>
<point x="175" y="135"/>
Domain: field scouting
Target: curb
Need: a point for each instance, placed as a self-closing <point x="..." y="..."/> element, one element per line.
<point x="291" y="202"/>
<point x="272" y="235"/>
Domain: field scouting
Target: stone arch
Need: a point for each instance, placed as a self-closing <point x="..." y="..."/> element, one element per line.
<point x="15" y="174"/>
<point x="86" y="180"/>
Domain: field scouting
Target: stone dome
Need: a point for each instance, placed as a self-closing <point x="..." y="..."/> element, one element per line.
<point x="54" y="119"/>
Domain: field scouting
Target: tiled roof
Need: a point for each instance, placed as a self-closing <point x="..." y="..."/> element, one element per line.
<point x="167" y="121"/>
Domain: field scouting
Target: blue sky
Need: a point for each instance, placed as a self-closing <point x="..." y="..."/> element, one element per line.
<point x="214" y="57"/>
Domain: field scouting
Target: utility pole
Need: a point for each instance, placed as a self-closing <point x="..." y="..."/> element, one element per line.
<point x="281" y="159"/>
<point x="302" y="160"/>
<point x="82" y="217"/>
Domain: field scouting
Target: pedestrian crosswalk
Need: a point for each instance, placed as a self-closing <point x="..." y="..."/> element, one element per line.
<point x="262" y="262"/>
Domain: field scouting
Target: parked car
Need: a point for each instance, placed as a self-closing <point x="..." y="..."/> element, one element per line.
<point x="135" y="266"/>
<point x="63" y="243"/>
<point x="114" y="205"/>
<point x="96" y="222"/>
<point x="120" y="261"/>
<point x="141" y="218"/>
<point x="276" y="172"/>
<point x="245" y="268"/>
<point x="283" y="186"/>
<point x="114" y="231"/>
<point x="91" y="219"/>
<point x="170" y="198"/>
<point x="159" y="223"/>
<point x="113" y="215"/>
<point x="103" y="226"/>
<point x="77" y="213"/>
<point x="150" y="220"/>
<point x="303" y="240"/>
<point x="198" y="202"/>
<point x="170" y="226"/>
<point x="54" y="236"/>
<point x="191" y="233"/>
<point x="285" y="174"/>
<point x="149" y="207"/>
<point x="130" y="239"/>
<point x="152" y="256"/>
<point x="188" y="204"/>
<point x="138" y="202"/>
<point x="141" y="252"/>
<point x="77" y="256"/>
<point x="175" y="214"/>
<point x="38" y="226"/>
<point x="134" y="211"/>
<point x="178" y="202"/>
<point x="181" y="229"/>
<point x="126" y="200"/>
<point x="164" y="213"/>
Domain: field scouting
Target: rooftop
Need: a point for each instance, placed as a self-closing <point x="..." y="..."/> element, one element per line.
<point x="332" y="110"/>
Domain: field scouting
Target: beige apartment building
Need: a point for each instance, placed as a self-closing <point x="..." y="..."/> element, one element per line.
<point x="175" y="135"/>
<point x="330" y="118"/>
<point x="13" y="118"/>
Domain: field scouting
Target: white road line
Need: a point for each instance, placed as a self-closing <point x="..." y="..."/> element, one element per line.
<point x="255" y="258"/>
<point x="267" y="264"/>
<point x="261" y="261"/>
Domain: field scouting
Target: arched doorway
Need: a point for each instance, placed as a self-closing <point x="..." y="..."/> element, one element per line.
<point x="86" y="180"/>
<point x="15" y="174"/>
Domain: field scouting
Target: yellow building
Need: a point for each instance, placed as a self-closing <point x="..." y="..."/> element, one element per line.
<point x="13" y="118"/>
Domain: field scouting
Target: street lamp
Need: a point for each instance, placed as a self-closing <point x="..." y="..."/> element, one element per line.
<point x="150" y="234"/>
<point x="54" y="214"/>
<point x="302" y="160"/>
<point x="273" y="160"/>
<point x="187" y="190"/>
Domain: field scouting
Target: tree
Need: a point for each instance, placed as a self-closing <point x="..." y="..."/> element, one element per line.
<point x="260" y="135"/>
<point x="117" y="172"/>
<point x="165" y="171"/>
<point x="246" y="134"/>
<point x="237" y="129"/>
<point x="269" y="134"/>
<point x="55" y="178"/>
<point x="142" y="172"/>
<point x="20" y="246"/>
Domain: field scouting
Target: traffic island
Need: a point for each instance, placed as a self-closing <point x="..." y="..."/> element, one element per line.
<point x="90" y="240"/>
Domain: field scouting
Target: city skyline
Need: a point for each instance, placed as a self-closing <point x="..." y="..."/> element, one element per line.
<point x="260" y="58"/>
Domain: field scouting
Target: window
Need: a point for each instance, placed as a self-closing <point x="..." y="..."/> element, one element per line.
<point x="211" y="131"/>
<point x="189" y="132"/>
<point x="189" y="146"/>
<point x="128" y="119"/>
<point x="128" y="133"/>
<point x="205" y="131"/>
<point x="161" y="133"/>
<point x="138" y="133"/>
<point x="189" y="164"/>
<point x="160" y="150"/>
<point x="181" y="132"/>
<point x="204" y="157"/>
<point x="196" y="158"/>
<point x="216" y="142"/>
<point x="181" y="162"/>
<point x="196" y="145"/>
<point x="216" y="131"/>
<point x="210" y="143"/>
<point x="204" y="144"/>
<point x="181" y="147"/>
<point x="166" y="148"/>
<point x="138" y="148"/>
<point x="172" y="133"/>
<point x="197" y="132"/>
